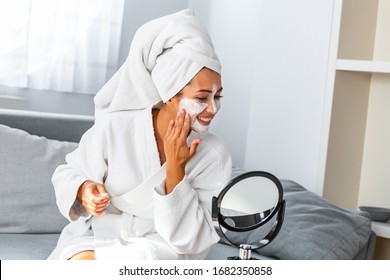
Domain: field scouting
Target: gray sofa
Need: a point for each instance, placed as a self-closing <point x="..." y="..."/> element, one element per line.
<point x="33" y="144"/>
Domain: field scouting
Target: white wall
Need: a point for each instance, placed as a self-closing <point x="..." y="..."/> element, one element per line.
<point x="233" y="27"/>
<point x="138" y="12"/>
<point x="275" y="58"/>
<point x="286" y="130"/>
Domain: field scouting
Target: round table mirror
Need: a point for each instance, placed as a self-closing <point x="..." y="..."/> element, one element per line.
<point x="248" y="202"/>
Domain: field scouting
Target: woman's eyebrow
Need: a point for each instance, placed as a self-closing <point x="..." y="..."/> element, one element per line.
<point x="209" y="91"/>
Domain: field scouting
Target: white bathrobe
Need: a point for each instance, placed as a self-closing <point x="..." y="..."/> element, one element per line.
<point x="142" y="222"/>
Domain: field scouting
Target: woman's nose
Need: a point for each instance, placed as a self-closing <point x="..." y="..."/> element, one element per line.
<point x="212" y="107"/>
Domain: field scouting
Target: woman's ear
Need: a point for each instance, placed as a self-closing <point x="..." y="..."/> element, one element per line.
<point x="175" y="100"/>
<point x="172" y="104"/>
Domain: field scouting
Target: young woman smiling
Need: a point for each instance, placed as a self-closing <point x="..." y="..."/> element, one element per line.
<point x="140" y="184"/>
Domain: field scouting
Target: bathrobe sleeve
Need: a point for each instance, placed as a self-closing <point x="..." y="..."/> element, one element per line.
<point x="87" y="162"/>
<point x="183" y="217"/>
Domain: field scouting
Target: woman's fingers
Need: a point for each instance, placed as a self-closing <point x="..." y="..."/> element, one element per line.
<point x="96" y="206"/>
<point x="179" y="124"/>
<point x="102" y="191"/>
<point x="95" y="199"/>
<point x="95" y="209"/>
<point x="96" y="193"/>
<point x="186" y="127"/>
<point x="180" y="128"/>
<point x="170" y="128"/>
<point x="177" y="151"/>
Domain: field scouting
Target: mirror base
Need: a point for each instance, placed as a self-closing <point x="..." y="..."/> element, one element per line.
<point x="238" y="258"/>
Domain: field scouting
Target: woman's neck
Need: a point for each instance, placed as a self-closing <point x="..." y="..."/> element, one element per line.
<point x="160" y="123"/>
<point x="161" y="120"/>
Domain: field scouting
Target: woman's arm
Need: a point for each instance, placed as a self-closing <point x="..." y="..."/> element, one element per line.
<point x="87" y="163"/>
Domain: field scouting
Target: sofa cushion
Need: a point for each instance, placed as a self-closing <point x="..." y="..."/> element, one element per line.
<point x="27" y="246"/>
<point x="313" y="228"/>
<point x="27" y="195"/>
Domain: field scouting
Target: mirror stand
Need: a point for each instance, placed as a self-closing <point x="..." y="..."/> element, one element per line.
<point x="246" y="249"/>
<point x="245" y="253"/>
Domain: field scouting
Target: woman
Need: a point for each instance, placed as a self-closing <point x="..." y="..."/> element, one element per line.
<point x="140" y="184"/>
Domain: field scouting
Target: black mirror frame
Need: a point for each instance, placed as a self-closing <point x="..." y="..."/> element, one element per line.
<point x="217" y="200"/>
<point x="279" y="208"/>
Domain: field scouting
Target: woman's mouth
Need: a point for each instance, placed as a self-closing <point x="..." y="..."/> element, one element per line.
<point x="203" y="120"/>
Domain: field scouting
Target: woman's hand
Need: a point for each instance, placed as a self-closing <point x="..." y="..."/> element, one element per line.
<point x="177" y="153"/>
<point x="94" y="197"/>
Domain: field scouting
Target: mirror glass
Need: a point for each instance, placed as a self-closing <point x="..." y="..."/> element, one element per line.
<point x="249" y="202"/>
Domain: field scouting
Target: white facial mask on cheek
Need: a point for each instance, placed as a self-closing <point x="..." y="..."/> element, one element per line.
<point x="193" y="108"/>
<point x="216" y="103"/>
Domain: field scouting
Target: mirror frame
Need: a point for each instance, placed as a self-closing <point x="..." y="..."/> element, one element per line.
<point x="232" y="183"/>
<point x="279" y="209"/>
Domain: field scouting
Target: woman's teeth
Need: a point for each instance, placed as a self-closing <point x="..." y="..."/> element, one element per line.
<point x="206" y="120"/>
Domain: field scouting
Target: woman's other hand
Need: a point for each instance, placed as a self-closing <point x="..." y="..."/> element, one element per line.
<point x="177" y="153"/>
<point x="94" y="197"/>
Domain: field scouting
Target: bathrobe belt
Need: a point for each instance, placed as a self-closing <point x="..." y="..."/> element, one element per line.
<point x="131" y="214"/>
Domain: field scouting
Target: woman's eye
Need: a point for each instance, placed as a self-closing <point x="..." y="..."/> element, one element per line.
<point x="204" y="99"/>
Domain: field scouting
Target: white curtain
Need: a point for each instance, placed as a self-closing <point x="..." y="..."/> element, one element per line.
<point x="61" y="45"/>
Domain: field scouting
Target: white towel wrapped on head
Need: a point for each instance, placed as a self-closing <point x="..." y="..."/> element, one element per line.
<point x="165" y="54"/>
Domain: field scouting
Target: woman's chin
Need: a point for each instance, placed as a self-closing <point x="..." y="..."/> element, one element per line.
<point x="199" y="128"/>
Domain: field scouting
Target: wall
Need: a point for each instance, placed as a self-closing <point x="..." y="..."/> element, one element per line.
<point x="138" y="12"/>
<point x="275" y="61"/>
<point x="235" y="40"/>
<point x="287" y="110"/>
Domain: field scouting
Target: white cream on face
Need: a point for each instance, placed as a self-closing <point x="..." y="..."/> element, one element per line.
<point x="194" y="108"/>
<point x="216" y="103"/>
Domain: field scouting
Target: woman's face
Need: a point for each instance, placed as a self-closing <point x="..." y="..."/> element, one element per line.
<point x="201" y="99"/>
